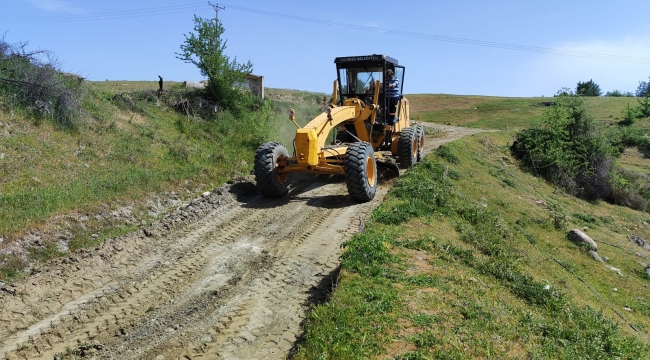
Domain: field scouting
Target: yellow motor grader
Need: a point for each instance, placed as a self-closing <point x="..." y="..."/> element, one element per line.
<point x="370" y="126"/>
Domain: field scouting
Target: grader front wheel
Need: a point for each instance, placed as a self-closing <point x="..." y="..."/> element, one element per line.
<point x="270" y="161"/>
<point x="361" y="171"/>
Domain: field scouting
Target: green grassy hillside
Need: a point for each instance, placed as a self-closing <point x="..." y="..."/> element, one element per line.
<point x="468" y="257"/>
<point x="463" y="260"/>
<point x="490" y="112"/>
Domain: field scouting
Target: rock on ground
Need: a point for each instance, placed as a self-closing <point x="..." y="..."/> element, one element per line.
<point x="580" y="238"/>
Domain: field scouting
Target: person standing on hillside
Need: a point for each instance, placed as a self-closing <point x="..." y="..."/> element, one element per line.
<point x="392" y="95"/>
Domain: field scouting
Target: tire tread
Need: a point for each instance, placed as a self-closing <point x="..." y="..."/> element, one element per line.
<point x="264" y="169"/>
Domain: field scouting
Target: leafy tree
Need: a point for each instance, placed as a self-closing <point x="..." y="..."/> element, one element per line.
<point x="589" y="88"/>
<point x="643" y="89"/>
<point x="206" y="49"/>
<point x="644" y="105"/>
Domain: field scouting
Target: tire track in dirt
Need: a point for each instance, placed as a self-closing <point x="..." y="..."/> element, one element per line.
<point x="235" y="284"/>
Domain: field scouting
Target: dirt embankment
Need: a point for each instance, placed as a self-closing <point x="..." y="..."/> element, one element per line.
<point x="230" y="275"/>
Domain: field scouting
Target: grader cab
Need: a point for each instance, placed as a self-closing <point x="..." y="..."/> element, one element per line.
<point x="372" y="128"/>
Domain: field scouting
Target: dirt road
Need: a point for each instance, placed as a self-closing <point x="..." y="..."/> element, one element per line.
<point x="230" y="275"/>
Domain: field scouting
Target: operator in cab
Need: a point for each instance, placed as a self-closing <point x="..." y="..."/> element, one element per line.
<point x="392" y="95"/>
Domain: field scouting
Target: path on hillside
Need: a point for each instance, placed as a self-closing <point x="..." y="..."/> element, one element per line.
<point x="234" y="282"/>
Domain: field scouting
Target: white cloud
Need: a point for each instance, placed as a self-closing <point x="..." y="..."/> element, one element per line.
<point x="553" y="72"/>
<point x="58" y="6"/>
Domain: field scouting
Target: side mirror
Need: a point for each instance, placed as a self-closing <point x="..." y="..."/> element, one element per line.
<point x="292" y="112"/>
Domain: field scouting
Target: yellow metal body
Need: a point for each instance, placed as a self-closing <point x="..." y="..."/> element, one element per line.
<point x="312" y="155"/>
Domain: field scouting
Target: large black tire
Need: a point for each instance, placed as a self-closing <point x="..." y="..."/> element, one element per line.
<point x="271" y="180"/>
<point x="361" y="171"/>
<point x="420" y="136"/>
<point x="407" y="147"/>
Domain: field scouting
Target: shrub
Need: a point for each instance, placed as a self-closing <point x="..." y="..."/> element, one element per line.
<point x="568" y="149"/>
<point x="629" y="115"/>
<point x="35" y="82"/>
<point x="589" y="88"/>
<point x="618" y="93"/>
<point x="627" y="189"/>
<point x="633" y="137"/>
<point x="557" y="215"/>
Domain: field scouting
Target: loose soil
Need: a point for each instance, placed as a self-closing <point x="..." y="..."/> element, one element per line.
<point x="230" y="275"/>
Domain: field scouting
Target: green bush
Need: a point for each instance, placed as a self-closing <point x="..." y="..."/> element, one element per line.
<point x="34" y="82"/>
<point x="618" y="93"/>
<point x="628" y="189"/>
<point x="568" y="149"/>
<point x="631" y="137"/>
<point x="629" y="115"/>
<point x="557" y="215"/>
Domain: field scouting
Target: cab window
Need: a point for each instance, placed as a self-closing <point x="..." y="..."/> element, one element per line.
<point x="358" y="81"/>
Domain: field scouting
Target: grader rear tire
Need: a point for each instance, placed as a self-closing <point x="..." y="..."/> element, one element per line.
<point x="360" y="169"/>
<point x="408" y="147"/>
<point x="420" y="136"/>
<point x="270" y="159"/>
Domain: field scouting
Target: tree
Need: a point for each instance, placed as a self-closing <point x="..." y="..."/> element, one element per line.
<point x="643" y="89"/>
<point x="589" y="88"/>
<point x="644" y="105"/>
<point x="206" y="50"/>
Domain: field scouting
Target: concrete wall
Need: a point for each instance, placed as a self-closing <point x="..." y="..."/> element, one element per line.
<point x="253" y="82"/>
<point x="194" y="85"/>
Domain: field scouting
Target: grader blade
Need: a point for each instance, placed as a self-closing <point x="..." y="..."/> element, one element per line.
<point x="387" y="169"/>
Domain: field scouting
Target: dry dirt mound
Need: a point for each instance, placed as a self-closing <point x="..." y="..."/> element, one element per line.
<point x="230" y="275"/>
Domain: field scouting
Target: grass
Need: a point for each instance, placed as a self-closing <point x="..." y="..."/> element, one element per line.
<point x="64" y="171"/>
<point x="459" y="263"/>
<point x="498" y="112"/>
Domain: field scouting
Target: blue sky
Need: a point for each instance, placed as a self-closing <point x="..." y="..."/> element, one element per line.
<point x="137" y="40"/>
